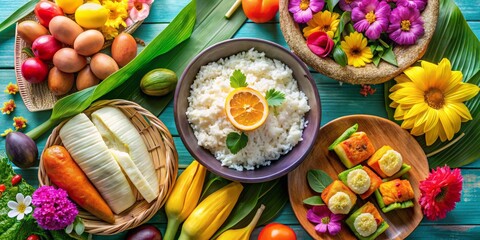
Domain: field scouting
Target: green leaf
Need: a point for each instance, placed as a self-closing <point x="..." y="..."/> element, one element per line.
<point x="344" y="19"/>
<point x="453" y="39"/>
<point x="376" y="59"/>
<point x="238" y="79"/>
<point x="20" y="13"/>
<point x="236" y="142"/>
<point x="331" y="4"/>
<point x="318" y="180"/>
<point x="314" y="201"/>
<point x="339" y="56"/>
<point x="389" y="56"/>
<point x="274" y="98"/>
<point x="28" y="51"/>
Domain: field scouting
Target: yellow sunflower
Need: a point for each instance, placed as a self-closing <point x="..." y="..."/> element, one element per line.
<point x="429" y="99"/>
<point x="355" y="46"/>
<point x="322" y="22"/>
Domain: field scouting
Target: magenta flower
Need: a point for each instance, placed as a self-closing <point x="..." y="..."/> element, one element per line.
<point x="327" y="221"/>
<point x="347" y="5"/>
<point x="53" y="209"/>
<point x="303" y="10"/>
<point x="419" y="4"/>
<point x="406" y="25"/>
<point x="320" y="44"/>
<point x="371" y="18"/>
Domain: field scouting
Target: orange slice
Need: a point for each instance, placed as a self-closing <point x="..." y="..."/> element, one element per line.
<point x="246" y="108"/>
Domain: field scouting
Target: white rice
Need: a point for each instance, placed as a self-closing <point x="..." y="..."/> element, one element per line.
<point x="283" y="127"/>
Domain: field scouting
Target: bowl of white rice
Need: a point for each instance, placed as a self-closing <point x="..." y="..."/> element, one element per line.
<point x="276" y="147"/>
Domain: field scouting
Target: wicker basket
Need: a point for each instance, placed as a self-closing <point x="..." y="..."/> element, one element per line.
<point x="37" y="97"/>
<point x="162" y="150"/>
<point x="370" y="74"/>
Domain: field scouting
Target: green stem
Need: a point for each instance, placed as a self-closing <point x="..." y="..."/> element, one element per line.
<point x="41" y="129"/>
<point x="172" y="227"/>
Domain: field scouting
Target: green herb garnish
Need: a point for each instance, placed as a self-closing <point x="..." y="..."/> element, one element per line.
<point x="318" y="180"/>
<point x="274" y="98"/>
<point x="238" y="79"/>
<point x="314" y="201"/>
<point x="236" y="142"/>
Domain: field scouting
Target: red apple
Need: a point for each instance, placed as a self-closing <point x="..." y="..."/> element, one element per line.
<point x="44" y="47"/>
<point x="46" y="10"/>
<point x="34" y="70"/>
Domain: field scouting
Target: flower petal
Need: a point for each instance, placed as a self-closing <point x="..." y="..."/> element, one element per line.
<point x="447" y="125"/>
<point x="13" y="213"/>
<point x="461" y="110"/>
<point x="12" y="205"/>
<point x="462" y="92"/>
<point x="417" y="75"/>
<point x="443" y="74"/>
<point x="432" y="119"/>
<point x="455" y="79"/>
<point x="27" y="201"/>
<point x="334" y="228"/>
<point x="321" y="228"/>
<point x="432" y="135"/>
<point x="20" y="216"/>
<point x="28" y="210"/>
<point x="19" y="198"/>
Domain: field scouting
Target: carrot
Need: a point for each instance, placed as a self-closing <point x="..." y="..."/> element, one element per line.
<point x="66" y="174"/>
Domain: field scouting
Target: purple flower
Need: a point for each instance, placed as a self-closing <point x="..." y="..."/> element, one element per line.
<point x="54" y="211"/>
<point x="419" y="4"/>
<point x="406" y="25"/>
<point x="347" y="5"/>
<point x="303" y="9"/>
<point x="327" y="221"/>
<point x="371" y="18"/>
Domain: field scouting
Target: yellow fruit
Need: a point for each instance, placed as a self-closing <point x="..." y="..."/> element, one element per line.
<point x="91" y="15"/>
<point x="246" y="108"/>
<point x="69" y="6"/>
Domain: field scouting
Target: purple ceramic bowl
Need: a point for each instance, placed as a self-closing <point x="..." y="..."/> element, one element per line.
<point x="285" y="163"/>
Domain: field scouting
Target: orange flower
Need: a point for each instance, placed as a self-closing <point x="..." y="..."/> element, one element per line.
<point x="11" y="88"/>
<point x="6" y="132"/>
<point x="19" y="123"/>
<point x="8" y="107"/>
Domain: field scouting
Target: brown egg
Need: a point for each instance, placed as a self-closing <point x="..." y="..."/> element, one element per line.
<point x="59" y="82"/>
<point x="30" y="30"/>
<point x="64" y="29"/>
<point x="69" y="61"/>
<point x="89" y="42"/>
<point x="124" y="49"/>
<point x="86" y="78"/>
<point x="103" y="65"/>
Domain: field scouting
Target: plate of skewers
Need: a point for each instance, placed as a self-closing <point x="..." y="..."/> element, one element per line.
<point x="365" y="172"/>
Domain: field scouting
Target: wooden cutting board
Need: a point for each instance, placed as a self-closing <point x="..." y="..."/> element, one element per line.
<point x="381" y="132"/>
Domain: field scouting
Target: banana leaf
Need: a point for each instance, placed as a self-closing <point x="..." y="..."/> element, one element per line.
<point x="453" y="39"/>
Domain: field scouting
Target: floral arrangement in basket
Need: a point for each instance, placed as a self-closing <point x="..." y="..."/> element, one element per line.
<point x="357" y="32"/>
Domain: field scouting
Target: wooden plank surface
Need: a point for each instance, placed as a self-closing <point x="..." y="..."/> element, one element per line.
<point x="337" y="100"/>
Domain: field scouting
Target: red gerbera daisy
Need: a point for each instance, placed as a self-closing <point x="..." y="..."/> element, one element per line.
<point x="440" y="192"/>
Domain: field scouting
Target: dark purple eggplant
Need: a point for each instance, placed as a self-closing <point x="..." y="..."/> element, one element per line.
<point x="21" y="149"/>
<point x="144" y="232"/>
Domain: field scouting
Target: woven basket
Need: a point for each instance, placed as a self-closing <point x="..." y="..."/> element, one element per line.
<point x="162" y="150"/>
<point x="37" y="97"/>
<point x="370" y="74"/>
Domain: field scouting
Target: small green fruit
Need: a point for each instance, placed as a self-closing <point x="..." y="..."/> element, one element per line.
<point x="159" y="82"/>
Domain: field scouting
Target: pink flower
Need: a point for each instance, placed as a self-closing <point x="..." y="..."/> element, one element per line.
<point x="54" y="211"/>
<point x="138" y="10"/>
<point x="371" y="17"/>
<point x="303" y="10"/>
<point x="327" y="221"/>
<point x="418" y="4"/>
<point x="406" y="25"/>
<point x="440" y="192"/>
<point x="320" y="44"/>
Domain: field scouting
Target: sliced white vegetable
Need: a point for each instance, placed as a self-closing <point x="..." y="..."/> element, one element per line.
<point x="82" y="140"/>
<point x="120" y="134"/>
<point x="358" y="181"/>
<point x="365" y="224"/>
<point x="134" y="174"/>
<point x="340" y="203"/>
<point x="391" y="162"/>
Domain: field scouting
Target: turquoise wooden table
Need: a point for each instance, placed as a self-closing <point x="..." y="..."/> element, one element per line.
<point x="337" y="100"/>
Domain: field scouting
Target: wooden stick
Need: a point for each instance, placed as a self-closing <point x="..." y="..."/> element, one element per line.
<point x="233" y="9"/>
